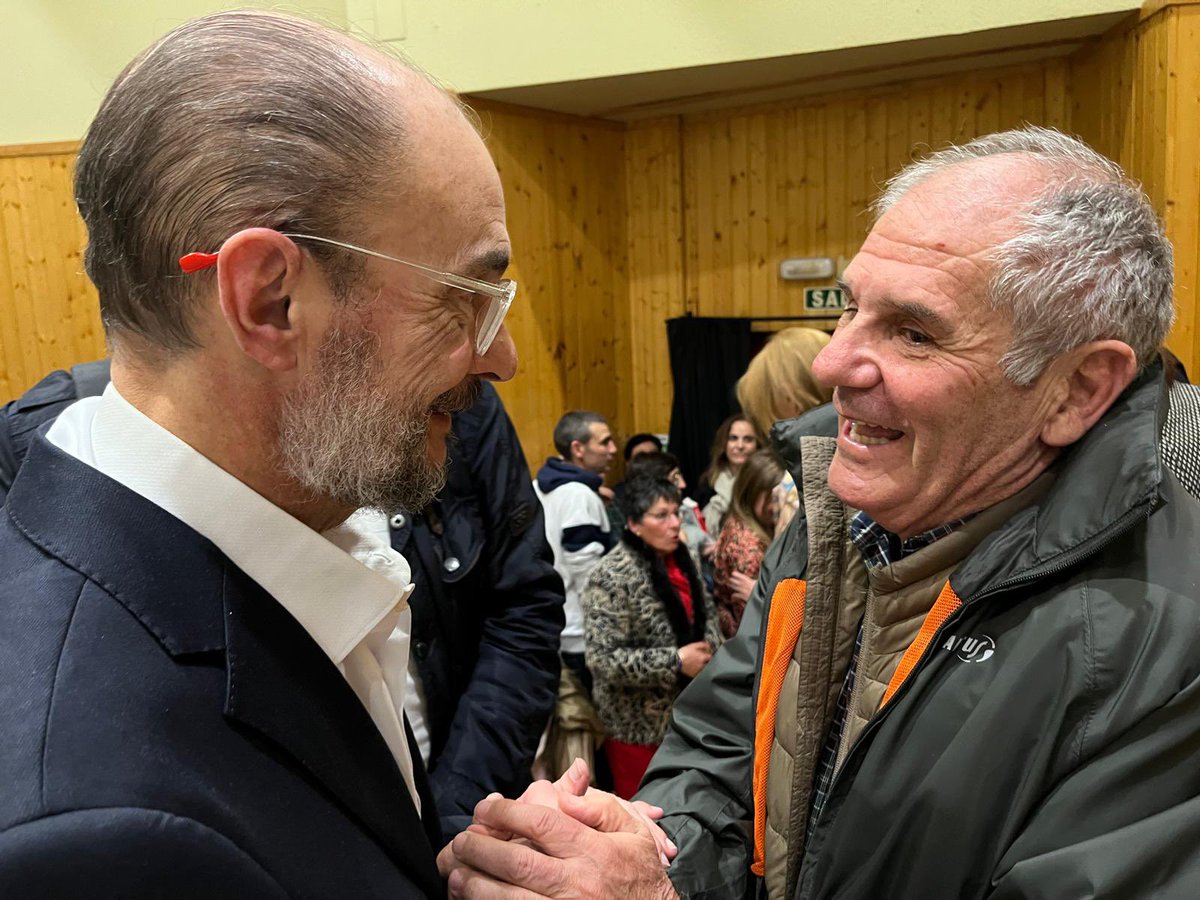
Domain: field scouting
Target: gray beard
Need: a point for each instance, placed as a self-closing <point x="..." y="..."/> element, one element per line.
<point x="345" y="439"/>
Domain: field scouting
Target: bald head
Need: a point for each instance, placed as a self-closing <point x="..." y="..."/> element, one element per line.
<point x="236" y="120"/>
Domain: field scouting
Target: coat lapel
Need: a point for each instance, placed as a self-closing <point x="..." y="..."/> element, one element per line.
<point x="193" y="600"/>
<point x="283" y="686"/>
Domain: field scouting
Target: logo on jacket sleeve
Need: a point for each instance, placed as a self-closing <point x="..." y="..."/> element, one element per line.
<point x="970" y="649"/>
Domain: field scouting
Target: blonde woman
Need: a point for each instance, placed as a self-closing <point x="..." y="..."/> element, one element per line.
<point x="779" y="384"/>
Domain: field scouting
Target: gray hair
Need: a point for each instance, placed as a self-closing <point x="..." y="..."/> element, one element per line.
<point x="575" y="425"/>
<point x="1091" y="261"/>
<point x="231" y="121"/>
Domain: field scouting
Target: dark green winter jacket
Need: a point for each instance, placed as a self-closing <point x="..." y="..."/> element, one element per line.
<point x="1065" y="765"/>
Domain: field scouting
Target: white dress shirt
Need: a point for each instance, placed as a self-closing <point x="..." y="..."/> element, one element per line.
<point x="346" y="587"/>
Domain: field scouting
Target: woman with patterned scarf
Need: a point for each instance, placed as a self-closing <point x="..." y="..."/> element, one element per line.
<point x="650" y="627"/>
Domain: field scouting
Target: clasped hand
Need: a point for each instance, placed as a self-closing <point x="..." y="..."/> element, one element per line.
<point x="561" y="840"/>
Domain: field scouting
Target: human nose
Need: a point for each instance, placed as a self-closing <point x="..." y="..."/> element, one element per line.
<point x="846" y="361"/>
<point x="499" y="363"/>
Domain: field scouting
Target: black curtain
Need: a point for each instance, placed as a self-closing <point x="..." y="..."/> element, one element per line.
<point x="708" y="356"/>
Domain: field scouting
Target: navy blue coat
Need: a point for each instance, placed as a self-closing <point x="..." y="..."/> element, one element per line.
<point x="167" y="729"/>
<point x="487" y="614"/>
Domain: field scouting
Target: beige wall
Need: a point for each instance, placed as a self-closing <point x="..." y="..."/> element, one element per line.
<point x="60" y="55"/>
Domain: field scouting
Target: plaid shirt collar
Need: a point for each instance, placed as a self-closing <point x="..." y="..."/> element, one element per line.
<point x="879" y="547"/>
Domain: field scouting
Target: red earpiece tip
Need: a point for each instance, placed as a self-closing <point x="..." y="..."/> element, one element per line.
<point x="194" y="262"/>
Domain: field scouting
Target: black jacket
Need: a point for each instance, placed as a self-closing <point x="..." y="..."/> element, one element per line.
<point x="167" y="729"/>
<point x="487" y="613"/>
<point x="487" y="607"/>
<point x="1060" y="764"/>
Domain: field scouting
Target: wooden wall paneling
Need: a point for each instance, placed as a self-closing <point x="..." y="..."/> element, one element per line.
<point x="653" y="198"/>
<point x="696" y="152"/>
<point x="817" y="187"/>
<point x="797" y="178"/>
<point x="49" y="312"/>
<point x="719" y="258"/>
<point x="855" y="180"/>
<point x="1058" y="106"/>
<point x="834" y="193"/>
<point x="563" y="180"/>
<point x="737" y="239"/>
<point x="760" y="260"/>
<point x="776" y="192"/>
<point x="1182" y="163"/>
<point x="538" y="393"/>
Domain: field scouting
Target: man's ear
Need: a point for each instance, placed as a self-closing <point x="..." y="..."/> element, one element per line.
<point x="576" y="450"/>
<point x="257" y="271"/>
<point x="1093" y="376"/>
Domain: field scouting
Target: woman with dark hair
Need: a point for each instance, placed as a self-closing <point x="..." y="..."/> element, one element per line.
<point x="637" y="446"/>
<point x="665" y="467"/>
<point x="732" y="445"/>
<point x="649" y="625"/>
<point x="748" y="529"/>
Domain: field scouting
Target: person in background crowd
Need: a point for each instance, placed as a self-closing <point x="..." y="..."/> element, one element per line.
<point x="732" y="445"/>
<point x="778" y="385"/>
<point x="665" y="467"/>
<point x="650" y="628"/>
<point x="204" y="645"/>
<point x="577" y="526"/>
<point x="640" y="443"/>
<point x="748" y="529"/>
<point x="971" y="666"/>
<point x="569" y="487"/>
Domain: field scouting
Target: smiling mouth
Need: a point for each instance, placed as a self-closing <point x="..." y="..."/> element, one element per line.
<point x="869" y="434"/>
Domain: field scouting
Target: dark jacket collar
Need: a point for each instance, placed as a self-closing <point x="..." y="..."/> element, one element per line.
<point x="557" y="472"/>
<point x="193" y="600"/>
<point x="1107" y="481"/>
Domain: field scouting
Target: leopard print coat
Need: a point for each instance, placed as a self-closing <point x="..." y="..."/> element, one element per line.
<point x="631" y="646"/>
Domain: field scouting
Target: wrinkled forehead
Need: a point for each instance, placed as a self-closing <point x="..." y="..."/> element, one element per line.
<point x="968" y="208"/>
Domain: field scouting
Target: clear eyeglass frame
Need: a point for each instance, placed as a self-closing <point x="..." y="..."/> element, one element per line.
<point x="491" y="314"/>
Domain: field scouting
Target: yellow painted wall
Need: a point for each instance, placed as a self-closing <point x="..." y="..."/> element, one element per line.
<point x="506" y="43"/>
<point x="60" y="55"/>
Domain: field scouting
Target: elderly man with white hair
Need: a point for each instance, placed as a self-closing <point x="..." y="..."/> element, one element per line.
<point x="971" y="667"/>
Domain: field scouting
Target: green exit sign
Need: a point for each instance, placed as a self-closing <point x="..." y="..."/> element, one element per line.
<point x="824" y="299"/>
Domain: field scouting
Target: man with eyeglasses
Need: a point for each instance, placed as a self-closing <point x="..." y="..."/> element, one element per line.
<point x="298" y="243"/>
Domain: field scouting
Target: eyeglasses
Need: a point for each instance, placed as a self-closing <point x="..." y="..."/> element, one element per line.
<point x="488" y="319"/>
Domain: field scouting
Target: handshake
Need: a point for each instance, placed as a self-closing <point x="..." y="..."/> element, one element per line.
<point x="564" y="839"/>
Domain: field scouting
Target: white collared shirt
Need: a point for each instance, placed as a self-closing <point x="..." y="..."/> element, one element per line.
<point x="346" y="587"/>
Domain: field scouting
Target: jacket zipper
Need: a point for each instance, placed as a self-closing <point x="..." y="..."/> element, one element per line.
<point x="1093" y="545"/>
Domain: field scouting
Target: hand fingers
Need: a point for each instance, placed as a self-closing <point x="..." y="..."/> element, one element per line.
<point x="491" y="832"/>
<point x="466" y="883"/>
<point x="650" y="815"/>
<point x="507" y="861"/>
<point x="576" y="779"/>
<point x="654" y="813"/>
<point x="542" y="793"/>
<point x="554" y="832"/>
<point x="608" y="813"/>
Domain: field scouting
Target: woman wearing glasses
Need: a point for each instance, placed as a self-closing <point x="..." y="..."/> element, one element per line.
<point x="650" y="627"/>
